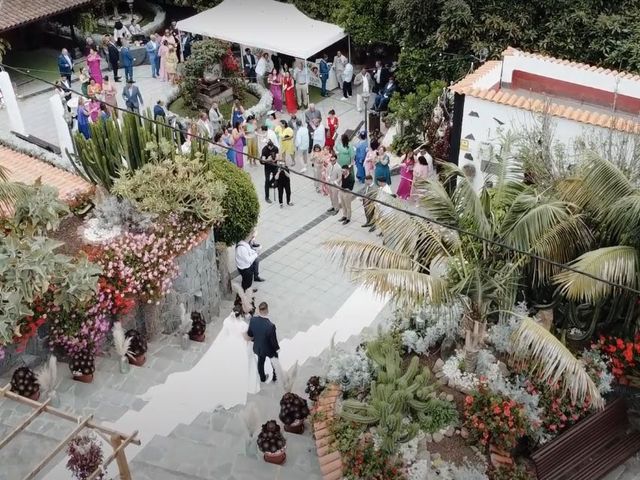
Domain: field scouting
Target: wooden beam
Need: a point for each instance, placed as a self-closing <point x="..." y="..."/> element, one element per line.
<point x="81" y="425"/>
<point x="118" y="454"/>
<point x="24" y="424"/>
<point x="62" y="414"/>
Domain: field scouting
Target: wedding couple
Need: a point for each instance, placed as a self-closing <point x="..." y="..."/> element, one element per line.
<point x="248" y="345"/>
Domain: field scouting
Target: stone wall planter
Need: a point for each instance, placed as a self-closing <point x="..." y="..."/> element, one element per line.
<point x="329" y="458"/>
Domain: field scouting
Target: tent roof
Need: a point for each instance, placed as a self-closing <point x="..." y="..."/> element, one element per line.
<point x="267" y="24"/>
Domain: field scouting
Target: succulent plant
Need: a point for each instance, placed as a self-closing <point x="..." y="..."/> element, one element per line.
<point x="293" y="407"/>
<point x="270" y="438"/>
<point x="138" y="345"/>
<point x="82" y="363"/>
<point x="198" y="325"/>
<point x="24" y="382"/>
<point x="315" y="386"/>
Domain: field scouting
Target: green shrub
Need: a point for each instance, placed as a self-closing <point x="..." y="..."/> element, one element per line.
<point x="38" y="211"/>
<point x="240" y="204"/>
<point x="185" y="187"/>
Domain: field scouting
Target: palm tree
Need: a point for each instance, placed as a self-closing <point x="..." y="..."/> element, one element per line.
<point x="605" y="193"/>
<point x="9" y="191"/>
<point x="421" y="261"/>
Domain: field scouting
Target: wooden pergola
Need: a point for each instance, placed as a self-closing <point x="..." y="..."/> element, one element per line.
<point x="117" y="440"/>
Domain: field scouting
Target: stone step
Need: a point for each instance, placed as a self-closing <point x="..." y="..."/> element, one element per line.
<point x="205" y="436"/>
<point x="257" y="469"/>
<point x="190" y="458"/>
<point x="145" y="471"/>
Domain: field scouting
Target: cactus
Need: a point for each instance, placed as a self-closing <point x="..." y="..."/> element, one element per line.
<point x="400" y="399"/>
<point x="116" y="147"/>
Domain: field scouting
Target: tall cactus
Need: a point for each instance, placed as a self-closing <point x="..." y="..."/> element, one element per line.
<point x="115" y="147"/>
<point x="400" y="399"/>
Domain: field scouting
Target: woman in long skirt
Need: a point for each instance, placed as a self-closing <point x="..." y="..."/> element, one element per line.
<point x="238" y="143"/>
<point x="406" y="175"/>
<point x="93" y="62"/>
<point x="289" y="94"/>
<point x="275" y="82"/>
<point x="163" y="51"/>
<point x="109" y="93"/>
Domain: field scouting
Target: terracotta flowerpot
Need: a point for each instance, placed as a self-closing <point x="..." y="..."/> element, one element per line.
<point x="277" y="458"/>
<point x="137" y="361"/>
<point x="35" y="396"/>
<point x="499" y="457"/>
<point x="296" y="427"/>
<point x="84" y="378"/>
<point x="197" y="338"/>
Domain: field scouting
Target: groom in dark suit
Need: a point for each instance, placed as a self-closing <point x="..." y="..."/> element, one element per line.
<point x="265" y="340"/>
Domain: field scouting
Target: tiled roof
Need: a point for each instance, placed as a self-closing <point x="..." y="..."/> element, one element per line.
<point x="25" y="169"/>
<point x="513" y="99"/>
<point x="329" y="458"/>
<point x="14" y="13"/>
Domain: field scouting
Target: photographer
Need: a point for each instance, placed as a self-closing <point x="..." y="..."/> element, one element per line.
<point x="268" y="159"/>
<point x="283" y="181"/>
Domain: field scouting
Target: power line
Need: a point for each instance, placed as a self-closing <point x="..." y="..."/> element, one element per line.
<point x="459" y="230"/>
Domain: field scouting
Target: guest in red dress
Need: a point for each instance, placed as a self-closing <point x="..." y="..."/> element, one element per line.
<point x="332" y="126"/>
<point x="289" y="93"/>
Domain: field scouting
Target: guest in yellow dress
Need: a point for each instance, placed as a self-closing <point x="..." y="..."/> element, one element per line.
<point x="287" y="148"/>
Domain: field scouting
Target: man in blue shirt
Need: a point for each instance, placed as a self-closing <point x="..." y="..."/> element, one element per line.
<point x="324" y="74"/>
<point x="127" y="62"/>
<point x="152" y="52"/>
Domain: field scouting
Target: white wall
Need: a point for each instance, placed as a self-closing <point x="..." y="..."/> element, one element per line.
<point x="486" y="130"/>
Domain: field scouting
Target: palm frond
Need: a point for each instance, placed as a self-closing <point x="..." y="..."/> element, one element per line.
<point x="408" y="288"/>
<point x="354" y="254"/>
<point x="121" y="343"/>
<point x="549" y="358"/>
<point x="469" y="206"/>
<point x="617" y="264"/>
<point x="623" y="216"/>
<point x="438" y="203"/>
<point x="602" y="184"/>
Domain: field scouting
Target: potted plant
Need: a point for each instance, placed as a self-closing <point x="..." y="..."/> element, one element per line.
<point x="315" y="386"/>
<point x="25" y="383"/>
<point x="122" y="344"/>
<point x="85" y="456"/>
<point x="137" y="347"/>
<point x="47" y="376"/>
<point x="272" y="443"/>
<point x="198" y="327"/>
<point x="82" y="366"/>
<point x="293" y="411"/>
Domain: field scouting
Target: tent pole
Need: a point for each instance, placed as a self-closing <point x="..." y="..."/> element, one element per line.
<point x="306" y="74"/>
<point x="349" y="40"/>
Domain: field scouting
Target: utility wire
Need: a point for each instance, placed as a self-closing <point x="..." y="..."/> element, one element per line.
<point x="457" y="229"/>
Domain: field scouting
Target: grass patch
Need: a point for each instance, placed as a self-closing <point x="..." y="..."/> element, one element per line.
<point x="179" y="107"/>
<point x="314" y="95"/>
<point x="43" y="63"/>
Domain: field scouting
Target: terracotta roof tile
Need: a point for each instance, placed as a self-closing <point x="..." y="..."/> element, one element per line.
<point x="14" y="13"/>
<point x="25" y="169"/>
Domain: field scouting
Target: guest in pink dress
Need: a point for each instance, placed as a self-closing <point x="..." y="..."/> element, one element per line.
<point x="370" y="159"/>
<point x="93" y="62"/>
<point x="163" y="52"/>
<point x="406" y="175"/>
<point x="94" y="109"/>
<point x="275" y="82"/>
<point x="421" y="173"/>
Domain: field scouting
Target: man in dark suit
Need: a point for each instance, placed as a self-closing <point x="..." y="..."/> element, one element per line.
<point x="249" y="64"/>
<point x="65" y="64"/>
<point x="132" y="97"/>
<point x="382" y="99"/>
<point x="265" y="340"/>
<point x="380" y="77"/>
<point x="114" y="58"/>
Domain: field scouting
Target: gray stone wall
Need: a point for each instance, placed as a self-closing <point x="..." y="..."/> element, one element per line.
<point x="197" y="286"/>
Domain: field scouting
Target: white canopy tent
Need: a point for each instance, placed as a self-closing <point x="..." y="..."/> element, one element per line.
<point x="266" y="24"/>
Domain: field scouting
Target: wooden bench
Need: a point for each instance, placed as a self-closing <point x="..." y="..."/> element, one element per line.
<point x="591" y="448"/>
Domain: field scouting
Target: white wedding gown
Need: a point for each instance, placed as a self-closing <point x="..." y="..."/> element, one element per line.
<point x="240" y="364"/>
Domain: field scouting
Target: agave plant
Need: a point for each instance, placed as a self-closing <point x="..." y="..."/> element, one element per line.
<point x="424" y="262"/>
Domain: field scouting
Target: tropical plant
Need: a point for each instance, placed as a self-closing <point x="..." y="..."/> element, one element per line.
<point x="183" y="186"/>
<point x="82" y="363"/>
<point x="9" y="191"/>
<point x="396" y="394"/>
<point x="293" y="408"/>
<point x="205" y="54"/>
<point x="85" y="456"/>
<point x="422" y="262"/>
<point x="270" y="438"/>
<point x="138" y="344"/>
<point x="121" y="342"/>
<point x="198" y="326"/>
<point x="366" y="461"/>
<point x="315" y="386"/>
<point x="612" y="202"/>
<point x="240" y="203"/>
<point x="38" y="210"/>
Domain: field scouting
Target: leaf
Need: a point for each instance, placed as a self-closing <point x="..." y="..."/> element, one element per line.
<point x="547" y="356"/>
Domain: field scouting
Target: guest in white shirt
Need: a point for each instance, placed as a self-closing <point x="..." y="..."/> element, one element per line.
<point x="273" y="136"/>
<point x="261" y="69"/>
<point x="204" y="127"/>
<point x="319" y="134"/>
<point x="347" y="80"/>
<point x="120" y="33"/>
<point x="339" y="64"/>
<point x="247" y="263"/>
<point x="364" y="83"/>
<point x="301" y="77"/>
<point x="216" y="118"/>
<point x="302" y="143"/>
